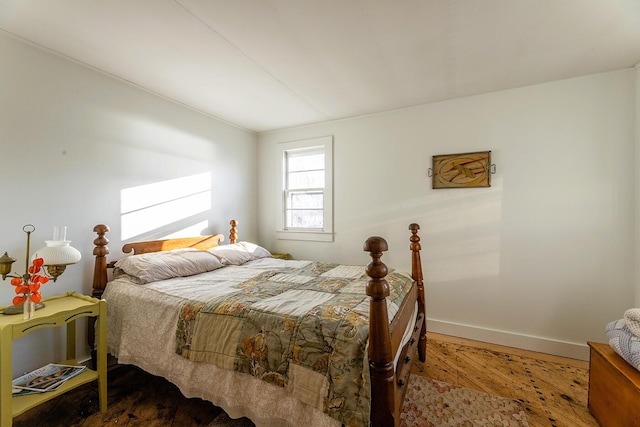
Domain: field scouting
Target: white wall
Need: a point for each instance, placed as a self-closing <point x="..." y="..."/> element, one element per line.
<point x="541" y="260"/>
<point x="72" y="138"/>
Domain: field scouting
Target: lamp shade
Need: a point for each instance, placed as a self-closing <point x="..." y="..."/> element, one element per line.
<point x="58" y="252"/>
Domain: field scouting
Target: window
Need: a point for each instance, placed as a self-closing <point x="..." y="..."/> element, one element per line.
<point x="306" y="193"/>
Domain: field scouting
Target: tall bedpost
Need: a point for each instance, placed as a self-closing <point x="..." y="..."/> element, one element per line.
<point x="416" y="273"/>
<point x="233" y="233"/>
<point x="99" y="282"/>
<point x="380" y="357"/>
<point x="100" y="269"/>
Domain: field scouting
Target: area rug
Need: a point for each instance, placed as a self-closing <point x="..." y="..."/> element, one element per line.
<point x="432" y="403"/>
<point x="223" y="420"/>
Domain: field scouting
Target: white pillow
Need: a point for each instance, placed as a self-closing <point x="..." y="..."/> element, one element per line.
<point x="156" y="266"/>
<point x="239" y="253"/>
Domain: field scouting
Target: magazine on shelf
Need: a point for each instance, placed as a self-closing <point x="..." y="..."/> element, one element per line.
<point x="47" y="378"/>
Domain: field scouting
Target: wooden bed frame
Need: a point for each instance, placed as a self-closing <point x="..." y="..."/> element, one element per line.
<point x="388" y="382"/>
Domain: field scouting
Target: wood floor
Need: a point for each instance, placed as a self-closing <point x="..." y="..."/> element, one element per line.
<point x="135" y="399"/>
<point x="552" y="389"/>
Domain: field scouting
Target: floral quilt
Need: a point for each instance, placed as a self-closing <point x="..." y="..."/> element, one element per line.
<point x="304" y="329"/>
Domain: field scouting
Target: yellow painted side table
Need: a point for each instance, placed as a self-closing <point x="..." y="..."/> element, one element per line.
<point x="58" y="311"/>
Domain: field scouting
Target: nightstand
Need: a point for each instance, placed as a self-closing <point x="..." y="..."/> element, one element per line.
<point x="58" y="311"/>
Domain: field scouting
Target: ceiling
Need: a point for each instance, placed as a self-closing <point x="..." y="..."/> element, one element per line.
<point x="271" y="64"/>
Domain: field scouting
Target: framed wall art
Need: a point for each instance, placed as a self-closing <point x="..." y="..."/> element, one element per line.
<point x="462" y="170"/>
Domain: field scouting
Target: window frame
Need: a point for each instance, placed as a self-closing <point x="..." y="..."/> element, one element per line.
<point x="325" y="234"/>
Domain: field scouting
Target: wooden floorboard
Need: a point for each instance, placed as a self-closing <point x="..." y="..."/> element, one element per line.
<point x="552" y="389"/>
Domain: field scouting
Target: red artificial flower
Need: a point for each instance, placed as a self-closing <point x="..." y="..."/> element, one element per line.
<point x="21" y="289"/>
<point x="36" y="297"/>
<point x="39" y="279"/>
<point x="32" y="286"/>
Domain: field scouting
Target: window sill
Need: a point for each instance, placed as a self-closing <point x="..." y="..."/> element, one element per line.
<point x="310" y="236"/>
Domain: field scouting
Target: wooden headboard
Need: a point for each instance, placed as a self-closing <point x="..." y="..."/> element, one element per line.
<point x="199" y="242"/>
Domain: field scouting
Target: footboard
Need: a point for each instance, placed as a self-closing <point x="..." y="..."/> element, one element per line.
<point x="388" y="382"/>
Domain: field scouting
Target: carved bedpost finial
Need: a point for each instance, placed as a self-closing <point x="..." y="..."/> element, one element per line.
<point x="377" y="287"/>
<point x="415" y="239"/>
<point x="101" y="242"/>
<point x="416" y="264"/>
<point x="233" y="233"/>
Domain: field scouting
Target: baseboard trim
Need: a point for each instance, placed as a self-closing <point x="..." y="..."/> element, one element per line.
<point x="510" y="339"/>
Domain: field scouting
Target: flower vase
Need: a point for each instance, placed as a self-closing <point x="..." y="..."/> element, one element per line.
<point x="28" y="308"/>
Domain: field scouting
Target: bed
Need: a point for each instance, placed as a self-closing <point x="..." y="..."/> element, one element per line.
<point x="279" y="341"/>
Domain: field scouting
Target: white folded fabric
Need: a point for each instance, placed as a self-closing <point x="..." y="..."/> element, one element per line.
<point x="632" y="319"/>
